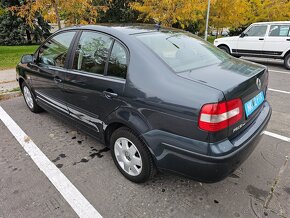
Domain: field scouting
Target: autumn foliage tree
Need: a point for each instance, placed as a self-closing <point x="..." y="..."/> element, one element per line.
<point x="71" y="11"/>
<point x="268" y="10"/>
<point x="228" y="13"/>
<point x="224" y="13"/>
<point x="14" y="29"/>
<point x="169" y="12"/>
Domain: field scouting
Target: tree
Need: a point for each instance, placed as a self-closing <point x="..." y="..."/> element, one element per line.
<point x="239" y="14"/>
<point x="15" y="31"/>
<point x="169" y="12"/>
<point x="119" y="11"/>
<point x="268" y="10"/>
<point x="228" y="13"/>
<point x="72" y="11"/>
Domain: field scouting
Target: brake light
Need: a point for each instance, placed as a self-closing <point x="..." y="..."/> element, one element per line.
<point x="218" y="116"/>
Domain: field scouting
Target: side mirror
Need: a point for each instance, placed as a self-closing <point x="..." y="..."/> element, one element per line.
<point x="26" y="59"/>
<point x="242" y="35"/>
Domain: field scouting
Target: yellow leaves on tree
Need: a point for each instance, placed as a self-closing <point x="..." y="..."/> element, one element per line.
<point x="228" y="13"/>
<point x="71" y="11"/>
<point x="269" y="10"/>
<point x="169" y="12"/>
<point x="224" y="13"/>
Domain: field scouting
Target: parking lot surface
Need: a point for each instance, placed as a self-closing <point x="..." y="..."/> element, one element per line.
<point x="259" y="188"/>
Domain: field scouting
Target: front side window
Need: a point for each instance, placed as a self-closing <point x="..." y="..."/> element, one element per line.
<point x="117" y="66"/>
<point x="92" y="52"/>
<point x="279" y="30"/>
<point x="258" y="31"/>
<point x="54" y="51"/>
<point x="182" y="52"/>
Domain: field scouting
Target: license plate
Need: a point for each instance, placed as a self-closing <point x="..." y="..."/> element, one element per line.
<point x="254" y="103"/>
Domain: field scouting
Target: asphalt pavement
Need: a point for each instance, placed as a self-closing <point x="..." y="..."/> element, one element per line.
<point x="259" y="188"/>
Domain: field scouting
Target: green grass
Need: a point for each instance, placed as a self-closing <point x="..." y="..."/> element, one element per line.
<point x="211" y="38"/>
<point x="11" y="55"/>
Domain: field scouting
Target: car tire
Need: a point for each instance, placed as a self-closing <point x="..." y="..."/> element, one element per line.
<point x="287" y="61"/>
<point x="225" y="49"/>
<point x="29" y="99"/>
<point x="131" y="155"/>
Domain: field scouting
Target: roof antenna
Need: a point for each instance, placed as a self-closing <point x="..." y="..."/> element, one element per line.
<point x="158" y="25"/>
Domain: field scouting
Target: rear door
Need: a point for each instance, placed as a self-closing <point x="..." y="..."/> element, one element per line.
<point x="278" y="40"/>
<point x="253" y="41"/>
<point x="94" y="85"/>
<point x="49" y="70"/>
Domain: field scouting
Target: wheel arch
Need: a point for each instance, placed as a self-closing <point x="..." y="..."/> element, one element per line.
<point x="128" y="118"/>
<point x="20" y="81"/>
<point x="288" y="52"/>
<point x="223" y="44"/>
<point x="123" y="118"/>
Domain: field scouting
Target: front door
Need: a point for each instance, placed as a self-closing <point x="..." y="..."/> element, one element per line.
<point x="253" y="40"/>
<point x="94" y="86"/>
<point x="49" y="73"/>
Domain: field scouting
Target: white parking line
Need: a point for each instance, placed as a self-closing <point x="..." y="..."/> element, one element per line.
<point x="76" y="200"/>
<point x="278" y="71"/>
<point x="281" y="91"/>
<point x="277" y="136"/>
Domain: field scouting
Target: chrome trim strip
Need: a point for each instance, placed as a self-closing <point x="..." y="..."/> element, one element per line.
<point x="97" y="76"/>
<point x="72" y="112"/>
<point x="85" y="118"/>
<point x="54" y="104"/>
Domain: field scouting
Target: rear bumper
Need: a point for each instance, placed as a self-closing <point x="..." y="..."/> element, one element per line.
<point x="190" y="158"/>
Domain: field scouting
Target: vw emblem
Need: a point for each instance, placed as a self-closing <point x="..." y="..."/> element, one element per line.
<point x="258" y="83"/>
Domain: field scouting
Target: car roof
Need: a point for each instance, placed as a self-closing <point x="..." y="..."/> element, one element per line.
<point x="274" y="22"/>
<point x="128" y="29"/>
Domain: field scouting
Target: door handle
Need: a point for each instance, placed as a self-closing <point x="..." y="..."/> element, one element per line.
<point x="110" y="94"/>
<point x="261" y="38"/>
<point x="57" y="79"/>
<point x="287" y="39"/>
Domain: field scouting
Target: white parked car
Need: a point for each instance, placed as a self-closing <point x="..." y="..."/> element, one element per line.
<point x="267" y="40"/>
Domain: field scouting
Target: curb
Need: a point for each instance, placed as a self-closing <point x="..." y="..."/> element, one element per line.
<point x="9" y="95"/>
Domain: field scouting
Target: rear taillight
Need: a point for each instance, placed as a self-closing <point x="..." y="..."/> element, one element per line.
<point x="218" y="116"/>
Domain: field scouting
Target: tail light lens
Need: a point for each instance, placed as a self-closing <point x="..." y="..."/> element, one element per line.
<point x="218" y="116"/>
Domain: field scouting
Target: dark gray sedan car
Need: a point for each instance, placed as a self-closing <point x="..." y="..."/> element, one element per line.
<point x="158" y="98"/>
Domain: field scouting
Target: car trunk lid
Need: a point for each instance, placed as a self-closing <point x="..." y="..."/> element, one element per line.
<point x="236" y="79"/>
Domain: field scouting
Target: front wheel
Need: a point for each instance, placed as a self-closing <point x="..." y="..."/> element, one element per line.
<point x="287" y="61"/>
<point x="131" y="155"/>
<point x="29" y="99"/>
<point x="225" y="49"/>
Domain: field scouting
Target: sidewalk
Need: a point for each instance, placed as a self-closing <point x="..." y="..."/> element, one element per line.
<point x="8" y="80"/>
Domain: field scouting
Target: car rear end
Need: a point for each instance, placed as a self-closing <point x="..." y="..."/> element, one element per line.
<point x="234" y="125"/>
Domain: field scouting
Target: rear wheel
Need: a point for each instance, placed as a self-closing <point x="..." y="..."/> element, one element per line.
<point x="131" y="155"/>
<point x="225" y="49"/>
<point x="287" y="61"/>
<point x="29" y="99"/>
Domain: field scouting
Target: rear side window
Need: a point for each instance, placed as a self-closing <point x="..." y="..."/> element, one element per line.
<point x="54" y="51"/>
<point x="258" y="31"/>
<point x="117" y="66"/>
<point x="279" y="30"/>
<point x="182" y="52"/>
<point x="92" y="52"/>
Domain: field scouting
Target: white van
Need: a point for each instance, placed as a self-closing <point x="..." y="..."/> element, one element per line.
<point x="266" y="39"/>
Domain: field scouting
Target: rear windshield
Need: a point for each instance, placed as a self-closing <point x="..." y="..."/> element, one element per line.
<point x="181" y="51"/>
